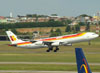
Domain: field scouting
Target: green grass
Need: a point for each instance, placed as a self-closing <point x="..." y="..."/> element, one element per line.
<point x="41" y="67"/>
<point x="52" y="57"/>
<point x="37" y="57"/>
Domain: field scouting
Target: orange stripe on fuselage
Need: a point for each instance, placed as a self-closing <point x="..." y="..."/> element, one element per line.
<point x="24" y="43"/>
<point x="64" y="37"/>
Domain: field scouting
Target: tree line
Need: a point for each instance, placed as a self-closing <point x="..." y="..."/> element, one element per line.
<point x="31" y="25"/>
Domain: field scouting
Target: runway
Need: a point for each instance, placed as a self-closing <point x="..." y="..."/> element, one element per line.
<point x="55" y="63"/>
<point x="17" y="71"/>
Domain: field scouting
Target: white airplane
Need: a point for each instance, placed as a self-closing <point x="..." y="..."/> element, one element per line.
<point x="52" y="41"/>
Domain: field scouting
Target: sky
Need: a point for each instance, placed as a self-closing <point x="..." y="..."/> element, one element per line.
<point x="48" y="7"/>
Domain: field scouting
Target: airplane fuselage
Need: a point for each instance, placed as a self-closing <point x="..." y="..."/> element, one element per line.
<point x="61" y="40"/>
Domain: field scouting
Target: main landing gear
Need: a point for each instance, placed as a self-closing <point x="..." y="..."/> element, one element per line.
<point x="89" y="42"/>
<point x="51" y="48"/>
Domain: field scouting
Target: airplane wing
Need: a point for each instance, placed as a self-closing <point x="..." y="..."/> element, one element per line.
<point x="47" y="43"/>
<point x="57" y="43"/>
<point x="54" y="41"/>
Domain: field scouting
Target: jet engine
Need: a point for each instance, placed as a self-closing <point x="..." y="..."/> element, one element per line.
<point x="55" y="44"/>
<point x="61" y="43"/>
<point x="65" y="44"/>
<point x="39" y="43"/>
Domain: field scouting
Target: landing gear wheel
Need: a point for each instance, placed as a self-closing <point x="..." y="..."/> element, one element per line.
<point x="55" y="50"/>
<point x="51" y="49"/>
<point x="48" y="51"/>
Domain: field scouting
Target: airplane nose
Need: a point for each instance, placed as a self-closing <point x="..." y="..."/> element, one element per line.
<point x="96" y="35"/>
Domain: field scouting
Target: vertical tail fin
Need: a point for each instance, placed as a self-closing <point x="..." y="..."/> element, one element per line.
<point x="13" y="38"/>
<point x="82" y="64"/>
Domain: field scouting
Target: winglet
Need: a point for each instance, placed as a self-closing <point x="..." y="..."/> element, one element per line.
<point x="82" y="64"/>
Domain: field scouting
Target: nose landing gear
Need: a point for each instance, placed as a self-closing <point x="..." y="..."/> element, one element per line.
<point x="89" y="42"/>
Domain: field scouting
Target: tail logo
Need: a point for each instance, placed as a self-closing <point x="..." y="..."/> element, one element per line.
<point x="13" y="38"/>
<point x="85" y="66"/>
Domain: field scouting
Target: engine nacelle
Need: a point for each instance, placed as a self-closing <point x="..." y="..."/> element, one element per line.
<point x="67" y="44"/>
<point x="61" y="43"/>
<point x="39" y="43"/>
<point x="55" y="44"/>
